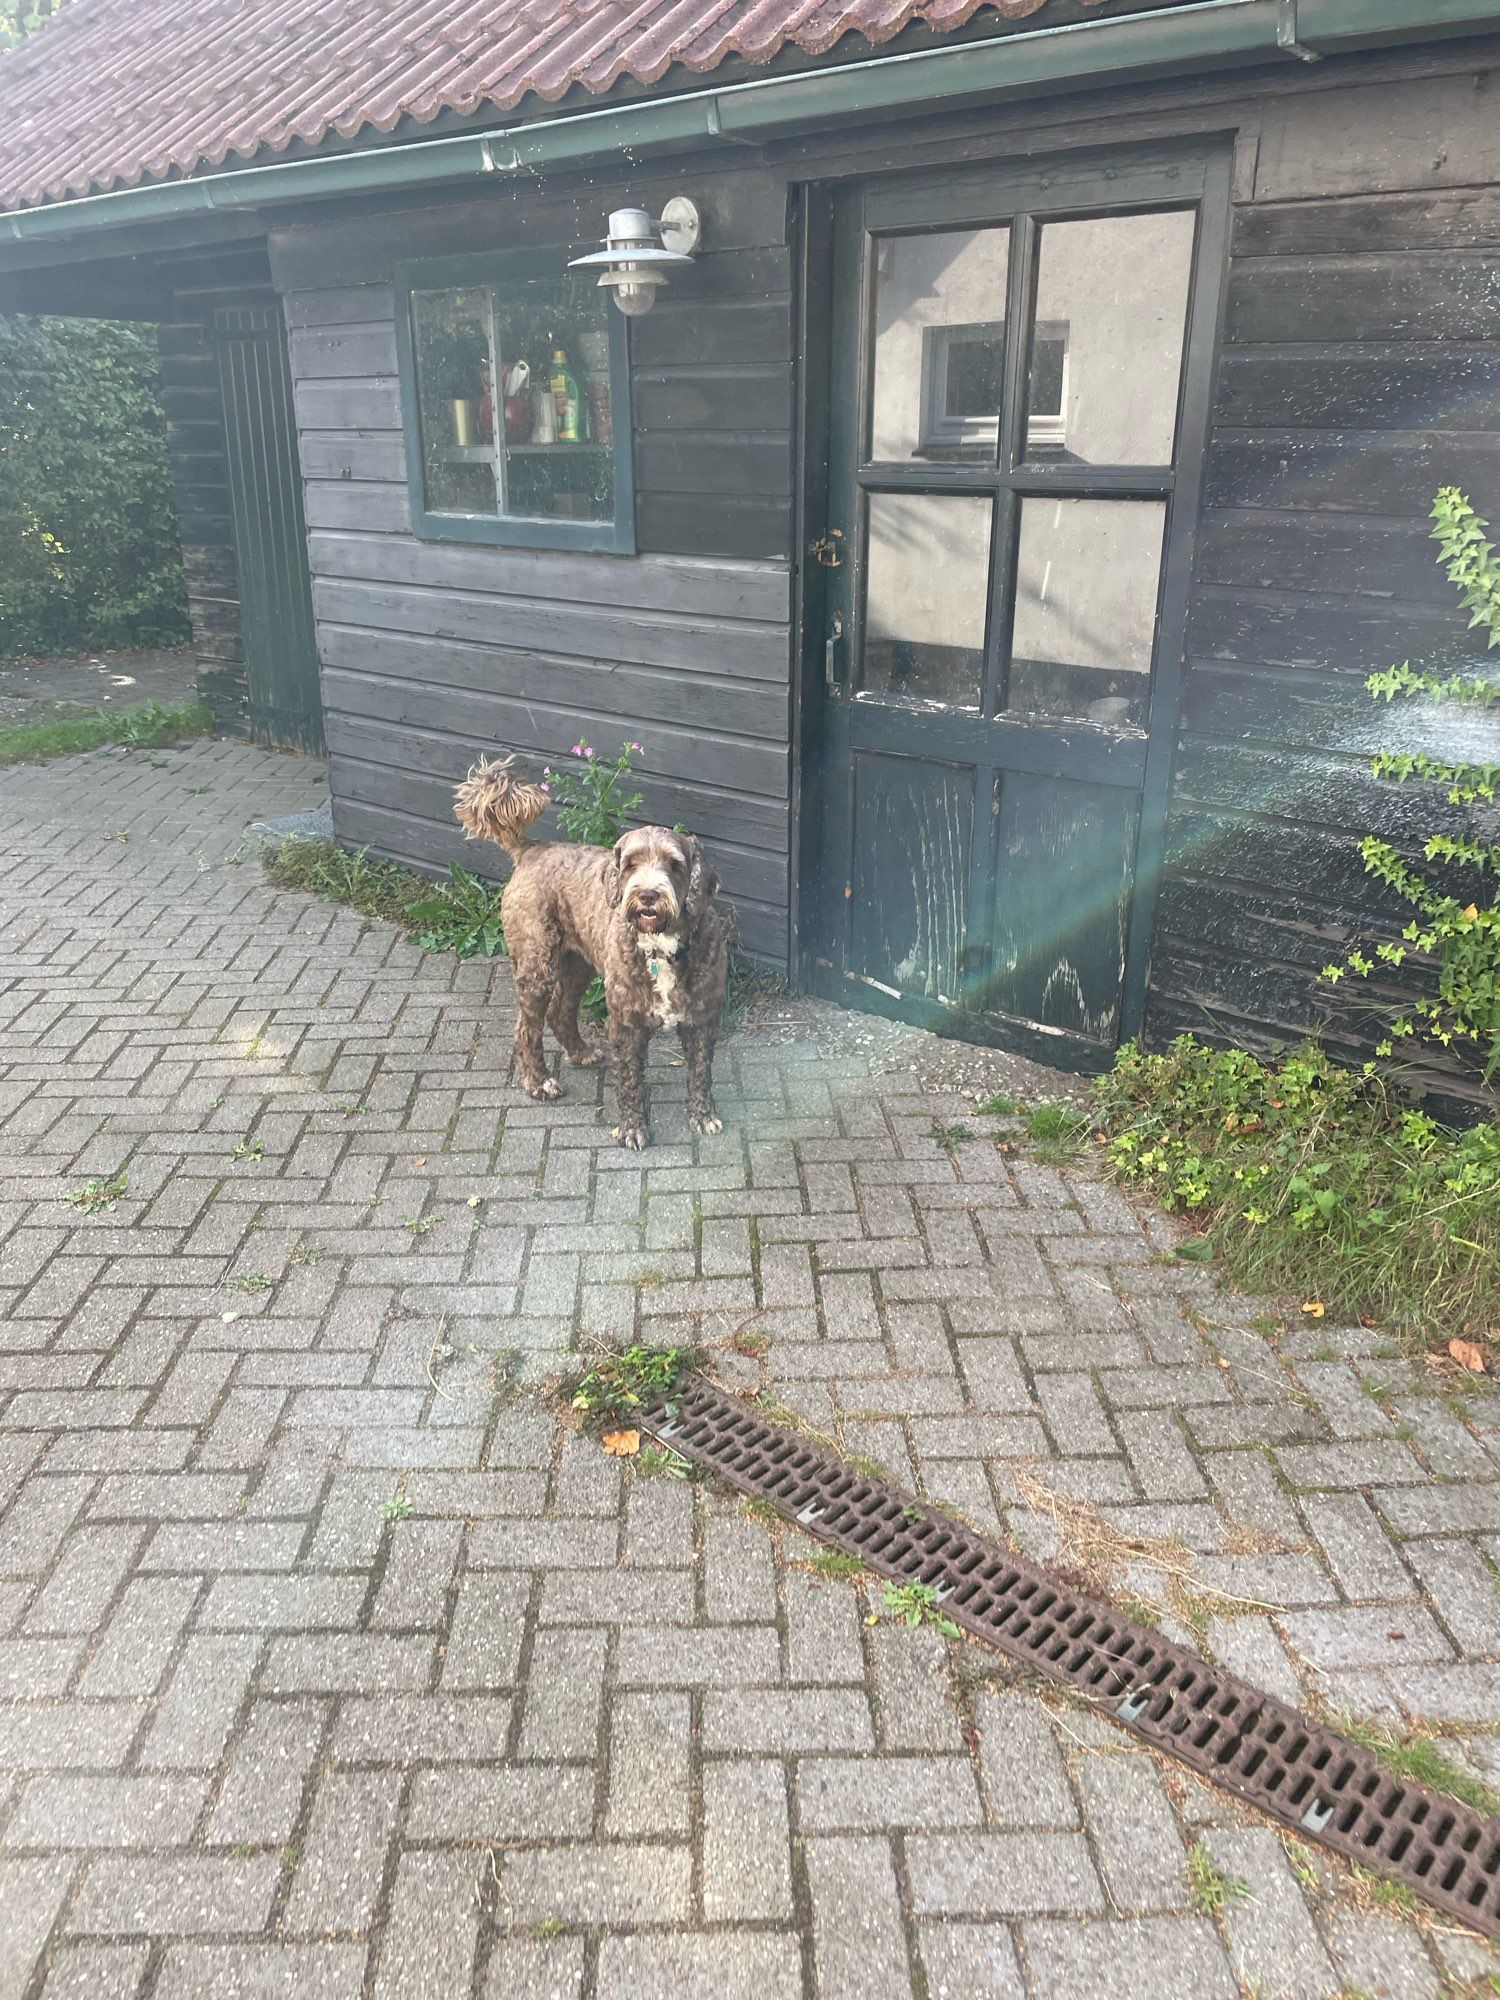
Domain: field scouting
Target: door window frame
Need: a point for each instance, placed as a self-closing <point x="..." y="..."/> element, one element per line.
<point x="1097" y="183"/>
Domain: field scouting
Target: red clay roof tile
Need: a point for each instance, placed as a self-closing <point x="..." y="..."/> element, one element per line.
<point x="114" y="92"/>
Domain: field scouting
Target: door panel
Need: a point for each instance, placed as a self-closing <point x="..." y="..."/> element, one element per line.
<point x="277" y="629"/>
<point x="1015" y="423"/>
<point x="1061" y="903"/>
<point x="913" y="842"/>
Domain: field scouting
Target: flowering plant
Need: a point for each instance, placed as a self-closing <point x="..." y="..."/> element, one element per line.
<point x="589" y="794"/>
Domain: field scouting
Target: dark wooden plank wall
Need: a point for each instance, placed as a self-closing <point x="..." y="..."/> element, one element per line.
<point x="196" y="284"/>
<point x="1360" y="371"/>
<point x="433" y="653"/>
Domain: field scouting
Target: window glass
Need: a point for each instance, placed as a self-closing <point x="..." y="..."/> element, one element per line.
<point x="927" y="559"/>
<point x="1087" y="573"/>
<point x="513" y="392"/>
<point x="1111" y="315"/>
<point x="939" y="343"/>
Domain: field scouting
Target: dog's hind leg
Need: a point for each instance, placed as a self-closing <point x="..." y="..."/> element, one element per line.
<point x="562" y="1016"/>
<point x="698" y="1048"/>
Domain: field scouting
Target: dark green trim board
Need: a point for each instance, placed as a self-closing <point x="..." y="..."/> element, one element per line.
<point x="613" y="537"/>
<point x="1123" y="49"/>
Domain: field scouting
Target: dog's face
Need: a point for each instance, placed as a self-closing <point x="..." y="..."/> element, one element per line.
<point x="654" y="868"/>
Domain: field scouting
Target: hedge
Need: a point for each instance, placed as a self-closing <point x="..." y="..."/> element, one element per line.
<point x="89" y="555"/>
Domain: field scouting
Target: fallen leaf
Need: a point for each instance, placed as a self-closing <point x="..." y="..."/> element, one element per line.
<point x="1395" y="1633"/>
<point x="474" y="1200"/>
<point x="1314" y="1306"/>
<point x="1472" y="912"/>
<point x="1365" y="1320"/>
<point x="228" y="1318"/>
<point x="1468" y="1354"/>
<point x="622" y="1444"/>
<point x="420" y="1163"/>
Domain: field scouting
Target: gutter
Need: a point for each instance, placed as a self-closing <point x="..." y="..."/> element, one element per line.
<point x="1121" y="49"/>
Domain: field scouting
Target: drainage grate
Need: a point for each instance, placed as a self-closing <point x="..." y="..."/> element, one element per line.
<point x="1268" y="1754"/>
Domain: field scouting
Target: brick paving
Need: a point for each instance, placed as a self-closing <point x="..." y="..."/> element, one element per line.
<point x="333" y="1665"/>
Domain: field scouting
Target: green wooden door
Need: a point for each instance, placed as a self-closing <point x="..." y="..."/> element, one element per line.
<point x="270" y="537"/>
<point x="1019" y="378"/>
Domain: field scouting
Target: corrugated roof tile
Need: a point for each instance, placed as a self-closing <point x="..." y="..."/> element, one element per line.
<point x="113" y="92"/>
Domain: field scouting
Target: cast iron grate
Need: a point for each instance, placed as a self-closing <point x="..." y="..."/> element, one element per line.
<point x="1268" y="1754"/>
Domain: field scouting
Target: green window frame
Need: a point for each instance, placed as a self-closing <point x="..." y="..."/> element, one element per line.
<point x="521" y="282"/>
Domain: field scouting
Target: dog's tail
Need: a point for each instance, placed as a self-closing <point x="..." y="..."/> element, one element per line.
<point x="492" y="805"/>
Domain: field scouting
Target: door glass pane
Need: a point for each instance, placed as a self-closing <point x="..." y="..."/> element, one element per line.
<point x="1085" y="624"/>
<point x="939" y="345"/>
<point x="927" y="568"/>
<point x="1111" y="311"/>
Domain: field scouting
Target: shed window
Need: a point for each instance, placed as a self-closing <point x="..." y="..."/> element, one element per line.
<point x="516" y="390"/>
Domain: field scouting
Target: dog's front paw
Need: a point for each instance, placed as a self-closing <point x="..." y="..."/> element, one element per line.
<point x="632" y="1136"/>
<point x="548" y="1087"/>
<point x="708" y="1124"/>
<point x="588" y="1059"/>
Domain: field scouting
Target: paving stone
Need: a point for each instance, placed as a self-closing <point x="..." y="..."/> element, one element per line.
<point x="1001" y="1874"/>
<point x="85" y="1811"/>
<point x="859" y="1943"/>
<point x="864" y="1794"/>
<point x="916" y="1708"/>
<point x="524" y="1968"/>
<point x="1025" y="1782"/>
<point x="433" y="1927"/>
<point x="261" y="1796"/>
<point x="969" y="1962"/>
<point x="263" y="1971"/>
<point x="178" y="1897"/>
<point x="1272" y="1938"/>
<point x="650" y="1742"/>
<point x="1150" y="1958"/>
<point x="1365" y="1636"/>
<point x="564" y="1692"/>
<point x="732" y="1965"/>
<point x="339" y="1877"/>
<point x="1377" y="1955"/>
<point x="1135" y="1836"/>
<point x="32" y="1893"/>
<point x="96" y="1972"/>
<point x="746" y="1872"/>
<point x="613" y="1885"/>
<point x="496" y="1805"/>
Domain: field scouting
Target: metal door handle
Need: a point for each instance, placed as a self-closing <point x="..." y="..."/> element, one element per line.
<point x="830" y="664"/>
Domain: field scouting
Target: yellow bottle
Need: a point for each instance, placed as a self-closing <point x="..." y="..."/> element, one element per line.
<point x="565" y="396"/>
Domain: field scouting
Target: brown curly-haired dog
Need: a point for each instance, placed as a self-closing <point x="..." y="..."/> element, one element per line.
<point x="641" y="916"/>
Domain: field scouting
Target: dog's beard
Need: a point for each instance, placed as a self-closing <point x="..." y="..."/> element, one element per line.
<point x="663" y="915"/>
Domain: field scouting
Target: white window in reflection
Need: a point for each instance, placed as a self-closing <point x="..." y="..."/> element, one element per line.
<point x="953" y="279"/>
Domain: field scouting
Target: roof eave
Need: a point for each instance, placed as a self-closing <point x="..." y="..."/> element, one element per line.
<point x="1117" y="49"/>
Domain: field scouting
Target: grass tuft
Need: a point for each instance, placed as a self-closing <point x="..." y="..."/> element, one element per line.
<point x="322" y="868"/>
<point x="1418" y="1758"/>
<point x="619" y="1386"/>
<point x="1210" y="1887"/>
<point x="144" y="726"/>
<point x="835" y="1564"/>
<point x="1317" y="1181"/>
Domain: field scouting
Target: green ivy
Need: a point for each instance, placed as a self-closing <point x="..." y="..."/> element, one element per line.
<point x="1455" y="937"/>
<point x="89" y="555"/>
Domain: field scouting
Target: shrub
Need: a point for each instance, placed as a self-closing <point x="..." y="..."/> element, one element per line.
<point x="1316" y="1180"/>
<point x="587" y="795"/>
<point x="89" y="555"/>
<point x="1455" y="937"/>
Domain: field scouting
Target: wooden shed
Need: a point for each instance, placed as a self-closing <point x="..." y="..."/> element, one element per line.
<point x="988" y="528"/>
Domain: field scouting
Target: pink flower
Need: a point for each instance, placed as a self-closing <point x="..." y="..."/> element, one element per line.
<point x="546" y="770"/>
<point x="546" y="788"/>
<point x="640" y="748"/>
<point x="576" y="751"/>
<point x="587" y="751"/>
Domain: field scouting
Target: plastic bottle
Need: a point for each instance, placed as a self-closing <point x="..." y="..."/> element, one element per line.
<point x="565" y="396"/>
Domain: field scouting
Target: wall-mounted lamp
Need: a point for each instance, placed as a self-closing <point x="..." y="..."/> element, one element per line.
<point x="631" y="262"/>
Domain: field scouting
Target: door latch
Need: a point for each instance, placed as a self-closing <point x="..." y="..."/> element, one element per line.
<point x="826" y="549"/>
<point x="830" y="654"/>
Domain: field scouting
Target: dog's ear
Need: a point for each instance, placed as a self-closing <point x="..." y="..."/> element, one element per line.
<point x="612" y="884"/>
<point x="703" y="884"/>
